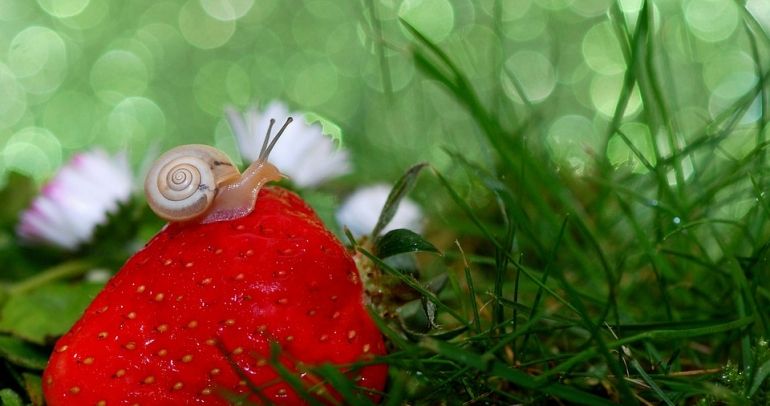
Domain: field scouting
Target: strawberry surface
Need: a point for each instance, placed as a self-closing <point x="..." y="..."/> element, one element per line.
<point x="191" y="317"/>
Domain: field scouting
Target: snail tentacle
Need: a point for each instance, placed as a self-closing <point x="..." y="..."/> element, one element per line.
<point x="264" y="156"/>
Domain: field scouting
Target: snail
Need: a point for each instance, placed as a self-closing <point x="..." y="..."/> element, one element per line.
<point x="198" y="182"/>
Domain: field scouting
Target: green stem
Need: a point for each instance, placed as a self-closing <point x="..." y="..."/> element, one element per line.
<point x="62" y="271"/>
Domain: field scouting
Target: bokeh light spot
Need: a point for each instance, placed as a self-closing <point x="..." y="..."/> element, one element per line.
<point x="27" y="159"/>
<point x="605" y="91"/>
<point x="401" y="72"/>
<point x="591" y="8"/>
<point x="620" y="154"/>
<point x="479" y="59"/>
<point x="533" y="72"/>
<point x="238" y="85"/>
<point x="93" y="15"/>
<point x="70" y="115"/>
<point x="63" y="8"/>
<point x="344" y="50"/>
<point x="329" y="10"/>
<point x="32" y="49"/>
<point x="165" y="43"/>
<point x="601" y="50"/>
<point x="554" y="4"/>
<point x="305" y="38"/>
<point x="33" y="151"/>
<point x="225" y="141"/>
<point x="509" y="10"/>
<point x="262" y="12"/>
<point x="573" y="142"/>
<point x="202" y="30"/>
<point x="134" y="121"/>
<point x="527" y="26"/>
<point x="14" y="10"/>
<point x="227" y="10"/>
<point x="730" y="74"/>
<point x="219" y="83"/>
<point x="38" y="58"/>
<point x="314" y="84"/>
<point x="13" y="102"/>
<point x="711" y="20"/>
<point x="118" y="74"/>
<point x="434" y="17"/>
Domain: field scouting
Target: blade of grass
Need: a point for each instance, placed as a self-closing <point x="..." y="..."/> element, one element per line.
<point x="471" y="290"/>
<point x="287" y="376"/>
<point x="379" y="42"/>
<point x="343" y="385"/>
<point x="658" y="391"/>
<point x="501" y="264"/>
<point x="402" y="187"/>
<point x="760" y="376"/>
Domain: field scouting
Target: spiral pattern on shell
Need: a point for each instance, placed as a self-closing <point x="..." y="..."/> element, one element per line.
<point x="178" y="181"/>
<point x="182" y="184"/>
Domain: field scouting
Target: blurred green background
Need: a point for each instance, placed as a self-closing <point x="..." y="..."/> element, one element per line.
<point x="636" y="134"/>
<point x="144" y="75"/>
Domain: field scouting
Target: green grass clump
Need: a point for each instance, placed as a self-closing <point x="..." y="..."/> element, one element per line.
<point x="615" y="285"/>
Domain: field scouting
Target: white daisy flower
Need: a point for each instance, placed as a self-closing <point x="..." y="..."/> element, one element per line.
<point x="76" y="200"/>
<point x="306" y="155"/>
<point x="361" y="210"/>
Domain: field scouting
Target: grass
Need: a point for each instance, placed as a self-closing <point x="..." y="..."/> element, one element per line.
<point x="611" y="287"/>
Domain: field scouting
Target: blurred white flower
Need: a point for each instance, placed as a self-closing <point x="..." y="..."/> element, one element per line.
<point x="361" y="210"/>
<point x="306" y="155"/>
<point x="76" y="200"/>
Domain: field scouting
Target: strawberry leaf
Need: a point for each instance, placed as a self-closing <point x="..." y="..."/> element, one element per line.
<point x="400" y="189"/>
<point x="21" y="353"/>
<point x="112" y="239"/>
<point x="436" y="284"/>
<point x="401" y="241"/>
<point x="441" y="335"/>
<point x="28" y="314"/>
<point x="414" y="316"/>
<point x="10" y="398"/>
<point x="33" y="386"/>
<point x="16" y="195"/>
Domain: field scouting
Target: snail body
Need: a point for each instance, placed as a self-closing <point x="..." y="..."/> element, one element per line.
<point x="199" y="183"/>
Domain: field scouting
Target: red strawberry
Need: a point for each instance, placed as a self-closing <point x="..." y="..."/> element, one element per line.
<point x="198" y="296"/>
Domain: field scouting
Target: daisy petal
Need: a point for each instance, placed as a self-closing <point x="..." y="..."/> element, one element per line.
<point x="310" y="158"/>
<point x="76" y="200"/>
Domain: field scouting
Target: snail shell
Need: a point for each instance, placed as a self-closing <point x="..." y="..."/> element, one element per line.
<point x="183" y="182"/>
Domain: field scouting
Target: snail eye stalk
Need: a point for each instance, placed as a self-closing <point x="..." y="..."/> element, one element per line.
<point x="266" y="149"/>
